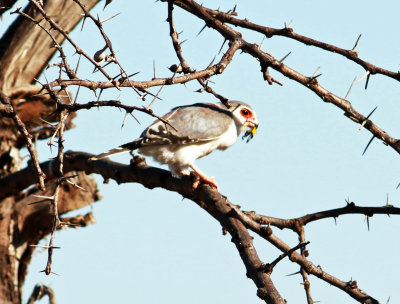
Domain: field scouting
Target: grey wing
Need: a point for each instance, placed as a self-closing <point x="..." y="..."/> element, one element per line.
<point x="195" y="123"/>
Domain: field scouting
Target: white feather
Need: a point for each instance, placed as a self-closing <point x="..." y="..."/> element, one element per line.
<point x="179" y="156"/>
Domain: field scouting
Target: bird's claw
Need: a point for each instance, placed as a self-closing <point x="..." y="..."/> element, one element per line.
<point x="207" y="180"/>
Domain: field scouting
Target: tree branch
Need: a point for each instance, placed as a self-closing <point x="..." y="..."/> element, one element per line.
<point x="231" y="218"/>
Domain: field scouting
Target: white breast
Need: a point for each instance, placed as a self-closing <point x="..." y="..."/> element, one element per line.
<point x="181" y="155"/>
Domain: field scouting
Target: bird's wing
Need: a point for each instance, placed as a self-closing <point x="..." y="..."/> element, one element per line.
<point x="190" y="124"/>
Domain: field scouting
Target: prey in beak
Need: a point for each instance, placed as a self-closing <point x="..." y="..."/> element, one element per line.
<point x="249" y="134"/>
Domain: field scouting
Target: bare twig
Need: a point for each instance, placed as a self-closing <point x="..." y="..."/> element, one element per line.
<point x="269" y="267"/>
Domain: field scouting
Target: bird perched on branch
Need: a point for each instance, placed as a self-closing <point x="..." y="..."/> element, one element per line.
<point x="192" y="131"/>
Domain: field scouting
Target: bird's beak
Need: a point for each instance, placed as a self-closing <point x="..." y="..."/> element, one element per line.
<point x="251" y="131"/>
<point x="252" y="127"/>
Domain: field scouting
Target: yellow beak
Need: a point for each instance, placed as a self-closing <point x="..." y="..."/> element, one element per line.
<point x="250" y="132"/>
<point x="253" y="130"/>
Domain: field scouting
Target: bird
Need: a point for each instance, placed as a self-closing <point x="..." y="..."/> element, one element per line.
<point x="191" y="132"/>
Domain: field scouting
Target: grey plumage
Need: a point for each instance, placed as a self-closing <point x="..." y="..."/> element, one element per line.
<point x="191" y="125"/>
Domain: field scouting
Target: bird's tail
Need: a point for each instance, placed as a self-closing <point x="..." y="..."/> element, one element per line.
<point x="108" y="153"/>
<point x="124" y="148"/>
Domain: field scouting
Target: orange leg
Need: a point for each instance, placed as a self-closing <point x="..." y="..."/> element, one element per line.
<point x="203" y="177"/>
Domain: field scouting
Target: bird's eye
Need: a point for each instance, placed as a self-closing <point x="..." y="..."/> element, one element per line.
<point x="245" y="112"/>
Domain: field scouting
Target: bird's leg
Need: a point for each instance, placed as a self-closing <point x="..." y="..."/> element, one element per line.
<point x="203" y="178"/>
<point x="179" y="171"/>
<point x="185" y="172"/>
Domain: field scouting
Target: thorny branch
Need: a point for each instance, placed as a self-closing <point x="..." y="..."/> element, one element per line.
<point x="175" y="41"/>
<point x="288" y="32"/>
<point x="55" y="200"/>
<point x="183" y="65"/>
<point x="333" y="213"/>
<point x="306" y="283"/>
<point x="124" y="80"/>
<point x="7" y="110"/>
<point x="236" y="222"/>
<point x="266" y="232"/>
<point x="143" y="85"/>
<point x="270" y="266"/>
<point x="109" y="103"/>
<point x="113" y="56"/>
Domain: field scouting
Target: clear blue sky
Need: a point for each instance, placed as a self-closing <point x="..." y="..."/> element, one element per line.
<point x="150" y="246"/>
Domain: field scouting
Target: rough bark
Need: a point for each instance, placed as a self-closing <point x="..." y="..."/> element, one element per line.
<point x="25" y="48"/>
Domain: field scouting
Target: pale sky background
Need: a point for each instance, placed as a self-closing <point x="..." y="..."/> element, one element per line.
<point x="150" y="246"/>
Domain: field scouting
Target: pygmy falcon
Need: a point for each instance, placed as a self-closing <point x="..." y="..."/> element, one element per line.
<point x="193" y="131"/>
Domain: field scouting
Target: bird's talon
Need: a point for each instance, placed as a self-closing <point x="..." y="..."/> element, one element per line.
<point x="206" y="180"/>
<point x="195" y="184"/>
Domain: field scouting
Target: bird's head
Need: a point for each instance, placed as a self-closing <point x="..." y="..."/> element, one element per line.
<point x="246" y="117"/>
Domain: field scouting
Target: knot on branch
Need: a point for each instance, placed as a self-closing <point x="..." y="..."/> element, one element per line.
<point x="137" y="161"/>
<point x="353" y="54"/>
<point x="266" y="75"/>
<point x="220" y="68"/>
<point x="265" y="72"/>
<point x="352" y="284"/>
<point x="350" y="205"/>
<point x="243" y="245"/>
<point x="312" y="81"/>
<point x="266" y="231"/>
<point x="262" y="293"/>
<point x="79" y="221"/>
<point x="287" y="29"/>
<point x="267" y="268"/>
